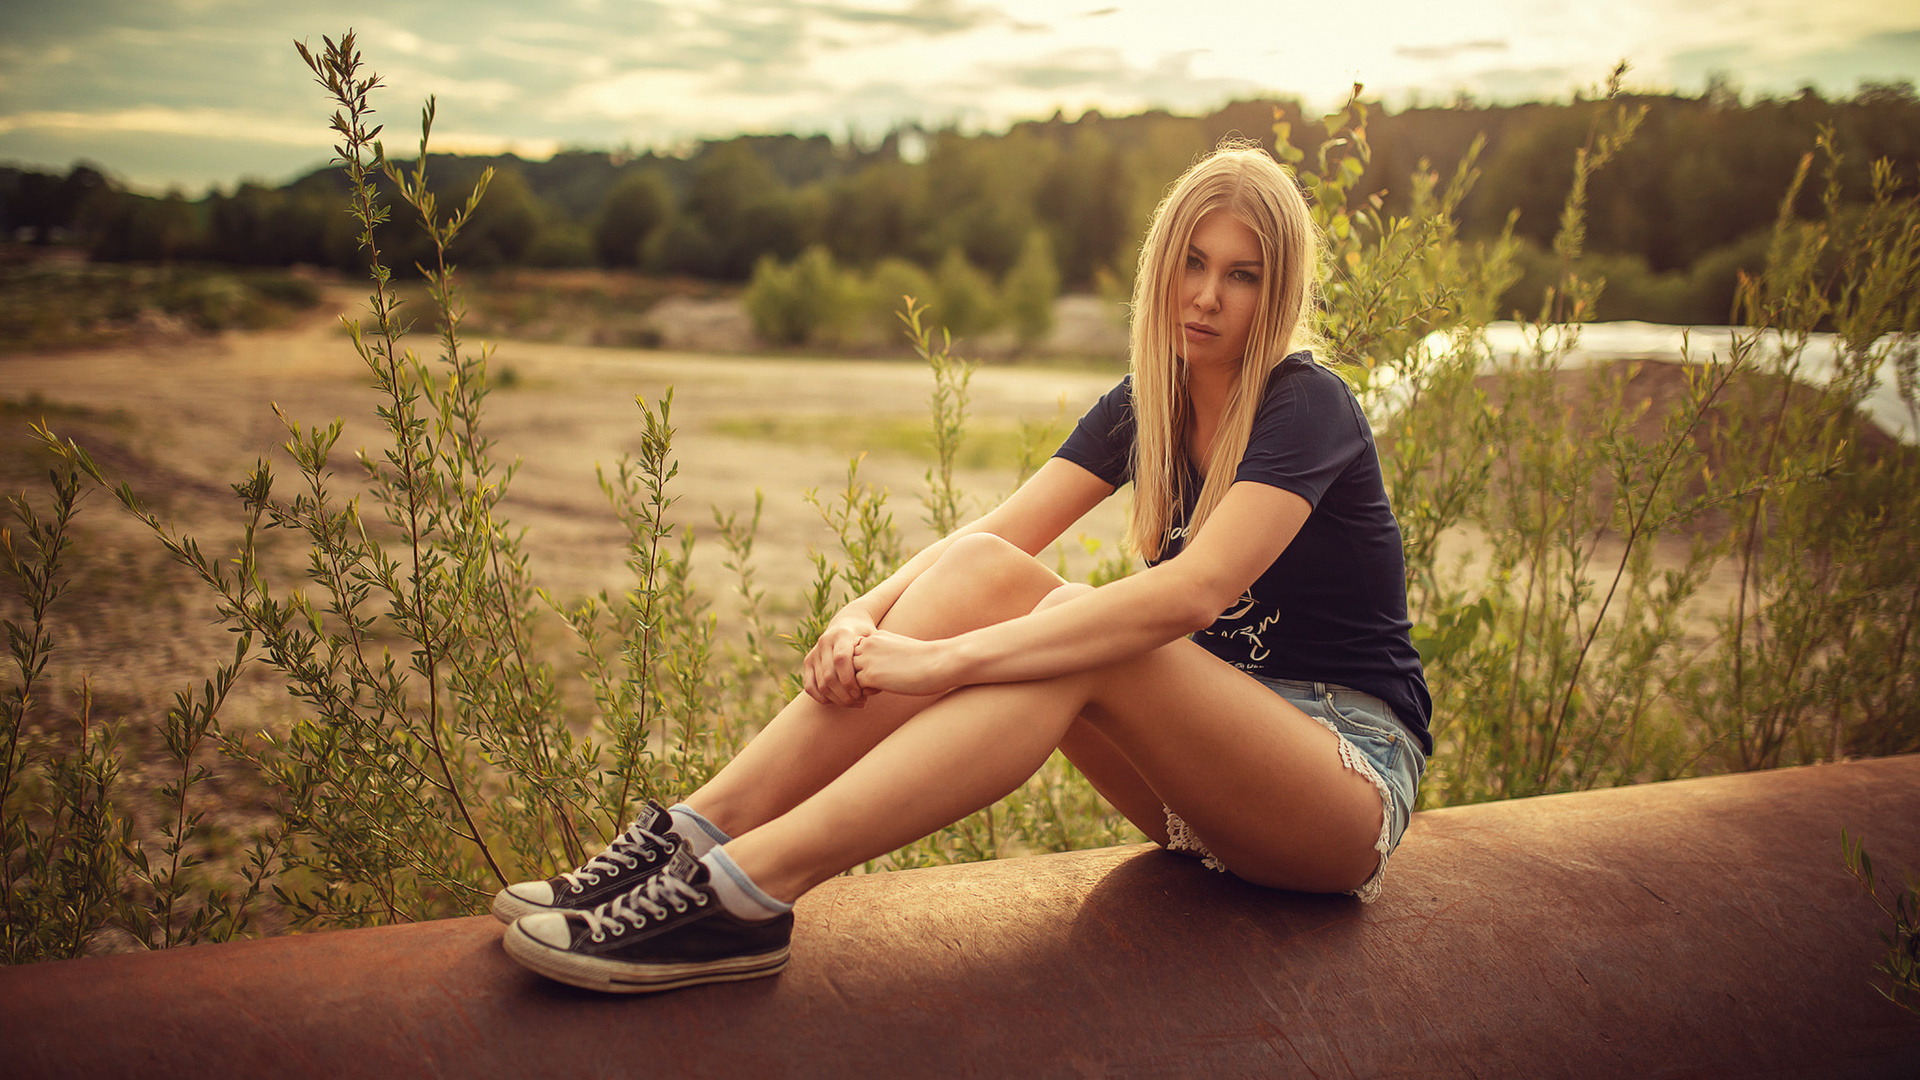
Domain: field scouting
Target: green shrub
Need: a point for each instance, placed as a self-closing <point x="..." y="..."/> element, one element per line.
<point x="57" y="821"/>
<point x="1716" y="276"/>
<point x="1901" y="962"/>
<point x="293" y="292"/>
<point x="965" y="301"/>
<point x="814" y="301"/>
<point x="807" y="301"/>
<point x="560" y="244"/>
<point x="888" y="286"/>
<point x="50" y="307"/>
<point x="633" y="210"/>
<point x="1030" y="288"/>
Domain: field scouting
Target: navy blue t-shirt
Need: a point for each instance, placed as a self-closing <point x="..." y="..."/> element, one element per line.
<point x="1333" y="607"/>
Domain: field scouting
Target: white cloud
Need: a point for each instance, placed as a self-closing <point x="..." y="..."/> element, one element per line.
<point x="486" y="93"/>
<point x="628" y="95"/>
<point x="407" y="43"/>
<point x="476" y="142"/>
<point x="161" y="120"/>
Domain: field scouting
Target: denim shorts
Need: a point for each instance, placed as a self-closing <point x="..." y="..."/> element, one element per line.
<point x="1373" y="743"/>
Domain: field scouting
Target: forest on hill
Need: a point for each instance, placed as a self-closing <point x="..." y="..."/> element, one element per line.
<point x="1672" y="221"/>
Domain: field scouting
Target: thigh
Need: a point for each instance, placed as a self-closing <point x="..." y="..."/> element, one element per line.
<point x="1115" y="778"/>
<point x="1260" y="783"/>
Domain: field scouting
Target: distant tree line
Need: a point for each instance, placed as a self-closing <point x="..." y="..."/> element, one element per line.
<point x="1672" y="222"/>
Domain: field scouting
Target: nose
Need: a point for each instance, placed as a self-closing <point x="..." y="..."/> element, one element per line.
<point x="1208" y="298"/>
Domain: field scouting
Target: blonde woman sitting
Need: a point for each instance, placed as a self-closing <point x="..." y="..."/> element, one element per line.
<point x="1251" y="697"/>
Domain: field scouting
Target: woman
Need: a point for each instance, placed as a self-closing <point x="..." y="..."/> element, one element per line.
<point x="1252" y="697"/>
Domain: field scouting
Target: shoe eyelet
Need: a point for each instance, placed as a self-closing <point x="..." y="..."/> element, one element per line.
<point x="618" y="930"/>
<point x="681" y="908"/>
<point x="598" y="936"/>
<point x="701" y="902"/>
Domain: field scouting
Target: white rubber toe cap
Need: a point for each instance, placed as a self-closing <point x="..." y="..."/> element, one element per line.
<point x="549" y="928"/>
<point x="522" y="898"/>
<point x="533" y="892"/>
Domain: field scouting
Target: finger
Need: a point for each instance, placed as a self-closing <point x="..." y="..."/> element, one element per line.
<point x="830" y="688"/>
<point x="857" y="677"/>
<point x="840" y="682"/>
<point x="810" y="681"/>
<point x="844" y="673"/>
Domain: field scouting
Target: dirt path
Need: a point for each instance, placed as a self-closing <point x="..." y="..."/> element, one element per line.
<point x="196" y="414"/>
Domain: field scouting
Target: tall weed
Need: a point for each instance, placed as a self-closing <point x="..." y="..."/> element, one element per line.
<point x="1817" y="661"/>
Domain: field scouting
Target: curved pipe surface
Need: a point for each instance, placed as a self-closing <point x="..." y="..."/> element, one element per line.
<point x="1697" y="928"/>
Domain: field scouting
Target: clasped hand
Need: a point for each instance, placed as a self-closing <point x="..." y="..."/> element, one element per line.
<point x="854" y="659"/>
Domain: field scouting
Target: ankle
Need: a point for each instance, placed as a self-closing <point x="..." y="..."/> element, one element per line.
<point x="738" y="892"/>
<point x="780" y="870"/>
<point x="699" y="832"/>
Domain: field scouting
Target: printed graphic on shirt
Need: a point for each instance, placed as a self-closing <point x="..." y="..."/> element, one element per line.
<point x="1239" y="629"/>
<point x="1244" y="624"/>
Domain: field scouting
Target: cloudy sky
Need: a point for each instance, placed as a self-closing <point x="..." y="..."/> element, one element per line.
<point x="198" y="92"/>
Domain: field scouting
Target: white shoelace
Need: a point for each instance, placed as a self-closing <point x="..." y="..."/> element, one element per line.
<point x="631" y="909"/>
<point x="618" y="855"/>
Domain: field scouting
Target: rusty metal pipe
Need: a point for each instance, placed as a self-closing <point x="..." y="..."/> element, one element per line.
<point x="1698" y="928"/>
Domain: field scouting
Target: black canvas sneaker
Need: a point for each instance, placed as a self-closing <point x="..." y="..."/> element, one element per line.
<point x="669" y="931"/>
<point x="636" y="854"/>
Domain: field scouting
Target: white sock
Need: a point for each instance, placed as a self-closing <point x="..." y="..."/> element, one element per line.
<point x="700" y="834"/>
<point x="737" y="892"/>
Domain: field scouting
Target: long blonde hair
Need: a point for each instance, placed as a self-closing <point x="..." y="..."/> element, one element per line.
<point x="1241" y="179"/>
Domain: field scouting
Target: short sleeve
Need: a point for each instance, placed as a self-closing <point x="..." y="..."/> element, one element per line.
<point x="1308" y="431"/>
<point x="1102" y="442"/>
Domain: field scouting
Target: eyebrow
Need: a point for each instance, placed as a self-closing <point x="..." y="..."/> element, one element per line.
<point x="1202" y="252"/>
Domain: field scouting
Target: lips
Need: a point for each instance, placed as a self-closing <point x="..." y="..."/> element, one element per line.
<point x="1200" y="330"/>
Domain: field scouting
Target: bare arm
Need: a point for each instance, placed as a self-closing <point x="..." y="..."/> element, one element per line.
<point x="1249" y="529"/>
<point x="1055" y="497"/>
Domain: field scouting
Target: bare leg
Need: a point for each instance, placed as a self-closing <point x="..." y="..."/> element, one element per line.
<point x="981" y="579"/>
<point x="1115" y="778"/>
<point x="1259" y="782"/>
<point x="1104" y="765"/>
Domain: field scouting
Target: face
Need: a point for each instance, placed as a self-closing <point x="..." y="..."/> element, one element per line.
<point x="1219" y="291"/>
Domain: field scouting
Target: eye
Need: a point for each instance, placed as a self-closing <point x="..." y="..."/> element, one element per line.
<point x="1193" y="262"/>
<point x="1247" y="276"/>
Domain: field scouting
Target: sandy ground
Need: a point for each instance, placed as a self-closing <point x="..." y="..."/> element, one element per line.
<point x="183" y="419"/>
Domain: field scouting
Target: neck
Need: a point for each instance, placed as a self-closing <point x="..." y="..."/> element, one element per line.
<point x="1207" y="393"/>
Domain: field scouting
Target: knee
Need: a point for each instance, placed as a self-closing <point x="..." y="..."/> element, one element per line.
<point x="982" y="549"/>
<point x="991" y="561"/>
<point x="978" y="579"/>
<point x="1062" y="594"/>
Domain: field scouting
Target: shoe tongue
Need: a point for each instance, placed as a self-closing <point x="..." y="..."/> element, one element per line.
<point x="655" y="819"/>
<point x="685" y="865"/>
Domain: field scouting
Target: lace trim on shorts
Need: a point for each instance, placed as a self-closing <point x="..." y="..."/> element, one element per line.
<point x="1180" y="836"/>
